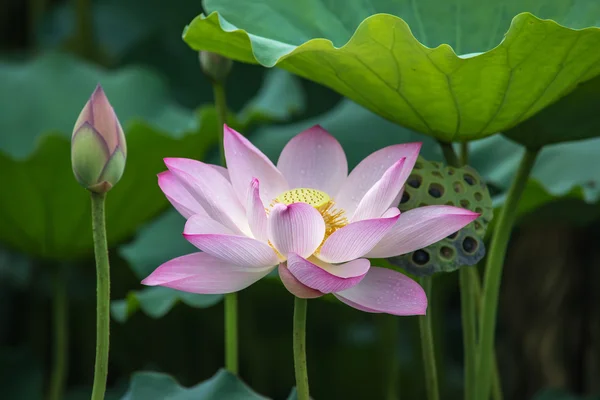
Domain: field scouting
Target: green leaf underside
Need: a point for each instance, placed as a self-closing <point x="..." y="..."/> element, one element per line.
<point x="386" y="69"/>
<point x="157" y="386"/>
<point x="156" y="302"/>
<point x="430" y="183"/>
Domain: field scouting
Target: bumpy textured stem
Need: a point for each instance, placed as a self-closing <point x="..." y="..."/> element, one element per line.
<point x="221" y="108"/>
<point x="496" y="385"/>
<point x="389" y="329"/>
<point x="427" y="346"/>
<point x="60" y="316"/>
<point x="231" y="340"/>
<point x="493" y="274"/>
<point x="467" y="291"/>
<point x="102" y="296"/>
<point x="300" y="348"/>
<point x="469" y="327"/>
<point x="231" y="329"/>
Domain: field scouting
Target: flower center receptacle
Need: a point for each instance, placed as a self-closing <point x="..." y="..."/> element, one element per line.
<point x="313" y="197"/>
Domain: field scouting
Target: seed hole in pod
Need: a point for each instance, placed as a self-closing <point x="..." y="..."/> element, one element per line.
<point x="436" y="190"/>
<point x="478" y="210"/>
<point x="437" y="174"/>
<point x="450" y="203"/>
<point x="458" y="187"/>
<point x="478" y="196"/>
<point x="465" y="203"/>
<point x="414" y="181"/>
<point x="418" y="165"/>
<point x="477" y="225"/>
<point x="469" y="244"/>
<point x="420" y="257"/>
<point x="446" y="252"/>
<point x="453" y="236"/>
<point x="450" y="171"/>
<point x="469" y="179"/>
<point x="405" y="197"/>
<point x="423" y="205"/>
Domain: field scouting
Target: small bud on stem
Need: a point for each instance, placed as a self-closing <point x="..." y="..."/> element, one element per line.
<point x="98" y="147"/>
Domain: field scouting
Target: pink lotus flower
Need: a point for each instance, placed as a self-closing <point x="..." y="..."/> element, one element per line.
<point x="307" y="216"/>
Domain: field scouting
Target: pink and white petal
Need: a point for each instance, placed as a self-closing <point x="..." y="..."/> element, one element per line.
<point x="245" y="162"/>
<point x="178" y="195"/>
<point x="255" y="212"/>
<point x="319" y="278"/>
<point x="370" y="170"/>
<point x="203" y="273"/>
<point x="296" y="228"/>
<point x="356" y="239"/>
<point x="211" y="237"/>
<point x="381" y="196"/>
<point x="420" y="227"/>
<point x="222" y="170"/>
<point x="212" y="191"/>
<point x="294" y="286"/>
<point x="387" y="291"/>
<point x="314" y="159"/>
<point x="199" y="224"/>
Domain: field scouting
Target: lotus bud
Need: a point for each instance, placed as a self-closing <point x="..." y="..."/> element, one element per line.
<point x="98" y="147"/>
<point x="215" y="66"/>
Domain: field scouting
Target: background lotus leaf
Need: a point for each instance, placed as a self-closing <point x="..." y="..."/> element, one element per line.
<point x="372" y="57"/>
<point x="155" y="386"/>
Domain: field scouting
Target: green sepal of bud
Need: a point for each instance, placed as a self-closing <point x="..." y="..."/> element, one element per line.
<point x="215" y="66"/>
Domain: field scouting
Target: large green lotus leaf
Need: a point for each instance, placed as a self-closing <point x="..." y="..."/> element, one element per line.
<point x="367" y="53"/>
<point x="157" y="386"/>
<point x="47" y="214"/>
<point x="561" y="171"/>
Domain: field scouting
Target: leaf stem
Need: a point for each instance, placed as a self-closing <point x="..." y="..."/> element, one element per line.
<point x="231" y="340"/>
<point x="102" y="296"/>
<point x="427" y="346"/>
<point x="231" y="323"/>
<point x="493" y="274"/>
<point x="467" y="291"/>
<point x="84" y="31"/>
<point x="389" y="330"/>
<point x="221" y="108"/>
<point x="300" y="306"/>
<point x="60" y="314"/>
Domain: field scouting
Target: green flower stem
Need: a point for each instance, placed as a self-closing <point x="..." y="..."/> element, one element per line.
<point x="84" y="28"/>
<point x="467" y="291"/>
<point x="496" y="386"/>
<point x="427" y="346"/>
<point x="231" y="340"/>
<point x="102" y="296"/>
<point x="469" y="327"/>
<point x="300" y="348"/>
<point x="221" y="107"/>
<point x="231" y="325"/>
<point x="389" y="329"/>
<point x="493" y="274"/>
<point x="60" y="316"/>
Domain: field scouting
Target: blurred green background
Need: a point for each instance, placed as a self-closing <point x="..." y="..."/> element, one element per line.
<point x="54" y="52"/>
